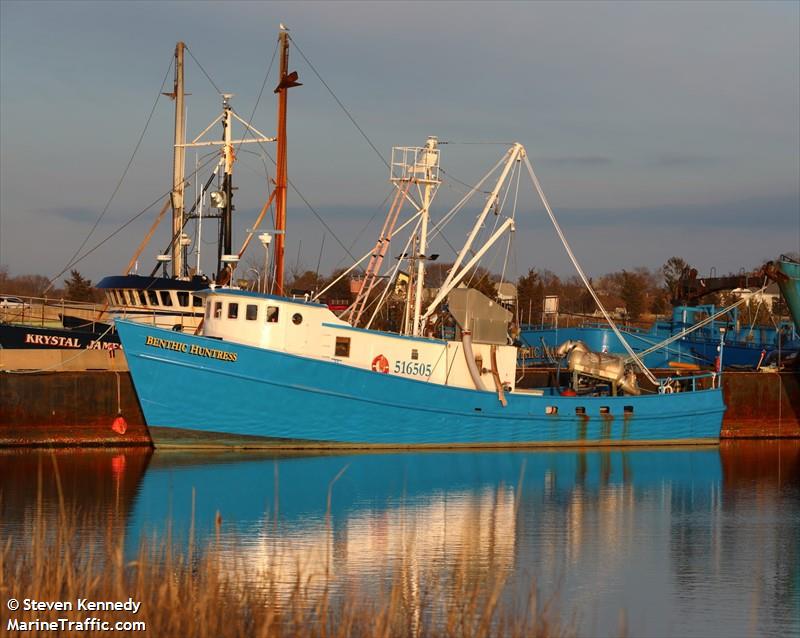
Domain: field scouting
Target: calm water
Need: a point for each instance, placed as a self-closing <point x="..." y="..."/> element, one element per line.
<point x="684" y="542"/>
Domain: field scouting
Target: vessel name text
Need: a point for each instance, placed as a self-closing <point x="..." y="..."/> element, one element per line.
<point x="198" y="351"/>
<point x="53" y="340"/>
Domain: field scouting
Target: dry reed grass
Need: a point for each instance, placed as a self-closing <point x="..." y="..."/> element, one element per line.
<point x="189" y="592"/>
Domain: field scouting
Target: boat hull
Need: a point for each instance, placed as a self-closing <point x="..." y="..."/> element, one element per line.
<point x="222" y="390"/>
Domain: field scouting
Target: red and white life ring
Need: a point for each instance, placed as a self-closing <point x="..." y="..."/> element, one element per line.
<point x="380" y="364"/>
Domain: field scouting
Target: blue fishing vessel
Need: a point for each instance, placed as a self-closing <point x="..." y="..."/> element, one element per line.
<point x="271" y="370"/>
<point x="745" y="346"/>
<point x="363" y="387"/>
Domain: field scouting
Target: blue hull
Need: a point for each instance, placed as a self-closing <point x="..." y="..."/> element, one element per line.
<point x="295" y="400"/>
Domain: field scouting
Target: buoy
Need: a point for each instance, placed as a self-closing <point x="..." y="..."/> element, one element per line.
<point x="120" y="425"/>
<point x="380" y="364"/>
<point x="568" y="392"/>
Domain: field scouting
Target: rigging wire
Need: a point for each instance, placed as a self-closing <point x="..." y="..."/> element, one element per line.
<point x="379" y="209"/>
<point x="339" y="102"/>
<point x="469" y="186"/>
<point x="208" y="77"/>
<point x="125" y="225"/>
<point x="583" y="276"/>
<point x="511" y="235"/>
<point x="260" y="93"/>
<point x="308" y="204"/>
<point x="499" y="205"/>
<point x="71" y="262"/>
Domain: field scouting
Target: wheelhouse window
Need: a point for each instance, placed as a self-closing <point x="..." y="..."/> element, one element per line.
<point x="129" y="298"/>
<point x="251" y="314"/>
<point x="197" y="302"/>
<point x="217" y="310"/>
<point x="208" y="310"/>
<point x="272" y="314"/>
<point x="152" y="297"/>
<point x="166" y="298"/>
<point x="183" y="298"/>
<point x="233" y="311"/>
<point x="142" y="297"/>
<point x="342" y="347"/>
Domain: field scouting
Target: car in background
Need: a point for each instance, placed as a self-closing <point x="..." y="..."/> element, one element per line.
<point x="12" y="302"/>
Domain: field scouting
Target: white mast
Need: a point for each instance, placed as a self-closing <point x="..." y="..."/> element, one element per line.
<point x="419" y="166"/>
<point x="429" y="164"/>
<point x="514" y="154"/>
<point x="178" y="165"/>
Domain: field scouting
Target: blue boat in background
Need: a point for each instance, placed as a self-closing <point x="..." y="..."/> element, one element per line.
<point x="787" y="273"/>
<point x="745" y="346"/>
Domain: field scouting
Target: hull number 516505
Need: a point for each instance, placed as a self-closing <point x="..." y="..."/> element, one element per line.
<point x="413" y="368"/>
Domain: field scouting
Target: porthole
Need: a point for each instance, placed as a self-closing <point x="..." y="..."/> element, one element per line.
<point x="628" y="409"/>
<point x="551" y="409"/>
<point x="580" y="410"/>
<point x="297" y="318"/>
<point x="604" y="409"/>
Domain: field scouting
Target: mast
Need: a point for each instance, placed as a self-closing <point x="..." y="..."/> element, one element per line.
<point x="287" y="81"/>
<point x="429" y="162"/>
<point x="227" y="178"/>
<point x="178" y="154"/>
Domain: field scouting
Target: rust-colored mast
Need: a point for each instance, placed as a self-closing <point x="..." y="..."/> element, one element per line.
<point x="287" y="81"/>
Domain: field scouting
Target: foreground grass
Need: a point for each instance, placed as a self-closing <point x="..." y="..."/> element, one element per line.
<point x="190" y="590"/>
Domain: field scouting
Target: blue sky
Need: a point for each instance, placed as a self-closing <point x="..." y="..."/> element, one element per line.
<point x="657" y="129"/>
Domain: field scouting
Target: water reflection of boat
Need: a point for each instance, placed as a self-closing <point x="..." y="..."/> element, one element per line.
<point x="291" y="491"/>
<point x="665" y="534"/>
<point x="98" y="489"/>
<point x="416" y="518"/>
<point x="748" y="466"/>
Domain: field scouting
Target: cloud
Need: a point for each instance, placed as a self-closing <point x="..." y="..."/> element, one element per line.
<point x="579" y="160"/>
<point x="670" y="160"/>
<point x="71" y="213"/>
<point x="780" y="213"/>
